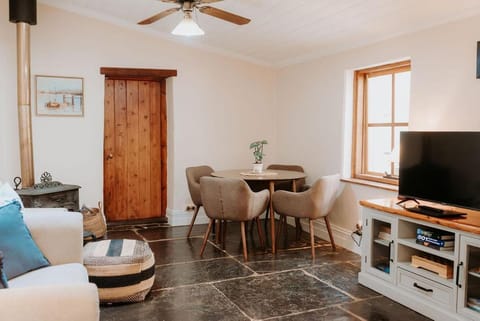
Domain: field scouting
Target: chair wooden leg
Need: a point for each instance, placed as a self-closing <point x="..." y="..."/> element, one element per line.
<point x="244" y="240"/>
<point x="265" y="223"/>
<point x="197" y="208"/>
<point x="218" y="234"/>
<point x="260" y="234"/>
<point x="224" y="233"/>
<point x="279" y="228"/>
<point x="312" y="238"/>
<point x="207" y="234"/>
<point x="298" y="229"/>
<point x="327" y="223"/>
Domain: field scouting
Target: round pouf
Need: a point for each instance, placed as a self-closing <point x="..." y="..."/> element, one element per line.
<point x="123" y="270"/>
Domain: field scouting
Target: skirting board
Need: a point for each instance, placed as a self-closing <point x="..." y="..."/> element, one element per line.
<point x="181" y="218"/>
<point x="342" y="236"/>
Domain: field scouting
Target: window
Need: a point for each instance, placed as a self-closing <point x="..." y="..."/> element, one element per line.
<point x="382" y="103"/>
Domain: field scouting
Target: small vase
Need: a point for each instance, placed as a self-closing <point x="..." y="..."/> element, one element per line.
<point x="257" y="167"/>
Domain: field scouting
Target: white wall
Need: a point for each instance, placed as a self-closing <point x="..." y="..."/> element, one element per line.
<point x="9" y="147"/>
<point x="313" y="101"/>
<point x="216" y="106"/>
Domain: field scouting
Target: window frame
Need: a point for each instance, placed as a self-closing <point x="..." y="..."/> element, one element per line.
<point x="361" y="125"/>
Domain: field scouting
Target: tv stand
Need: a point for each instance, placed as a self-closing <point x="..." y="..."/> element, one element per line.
<point x="439" y="283"/>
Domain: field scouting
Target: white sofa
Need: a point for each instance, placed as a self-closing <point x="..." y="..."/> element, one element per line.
<point x="60" y="292"/>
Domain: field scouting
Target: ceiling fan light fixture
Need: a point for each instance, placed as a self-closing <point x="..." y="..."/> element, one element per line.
<point x="188" y="27"/>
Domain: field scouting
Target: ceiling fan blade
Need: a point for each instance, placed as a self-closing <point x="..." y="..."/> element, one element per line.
<point x="224" y="15"/>
<point x="170" y="1"/>
<point x="158" y="16"/>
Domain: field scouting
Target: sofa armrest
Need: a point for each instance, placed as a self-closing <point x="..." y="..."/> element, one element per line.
<point x="78" y="302"/>
<point x="35" y="210"/>
<point x="58" y="234"/>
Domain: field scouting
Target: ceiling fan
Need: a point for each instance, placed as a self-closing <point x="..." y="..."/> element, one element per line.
<point x="188" y="27"/>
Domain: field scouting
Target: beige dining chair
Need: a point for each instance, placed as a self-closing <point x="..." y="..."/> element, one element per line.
<point x="313" y="203"/>
<point x="193" y="179"/>
<point x="231" y="199"/>
<point x="287" y="185"/>
<point x="300" y="186"/>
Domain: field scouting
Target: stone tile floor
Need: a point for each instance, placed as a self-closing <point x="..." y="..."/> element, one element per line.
<point x="221" y="286"/>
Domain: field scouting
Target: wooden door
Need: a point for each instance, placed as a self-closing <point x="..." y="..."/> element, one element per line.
<point x="135" y="148"/>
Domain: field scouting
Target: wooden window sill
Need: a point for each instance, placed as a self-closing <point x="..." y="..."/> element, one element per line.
<point x="364" y="182"/>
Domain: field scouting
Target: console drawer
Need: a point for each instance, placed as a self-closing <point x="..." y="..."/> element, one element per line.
<point x="425" y="288"/>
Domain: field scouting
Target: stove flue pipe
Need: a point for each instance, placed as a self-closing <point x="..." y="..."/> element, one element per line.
<point x="24" y="14"/>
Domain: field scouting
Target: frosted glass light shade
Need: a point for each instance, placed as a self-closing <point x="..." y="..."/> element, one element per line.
<point x="187" y="27"/>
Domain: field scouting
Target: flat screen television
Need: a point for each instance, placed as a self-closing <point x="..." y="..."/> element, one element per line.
<point x="442" y="167"/>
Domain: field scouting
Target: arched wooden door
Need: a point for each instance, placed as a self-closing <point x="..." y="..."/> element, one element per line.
<point x="135" y="143"/>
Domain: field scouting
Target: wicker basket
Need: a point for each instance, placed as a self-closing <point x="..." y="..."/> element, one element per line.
<point x="94" y="220"/>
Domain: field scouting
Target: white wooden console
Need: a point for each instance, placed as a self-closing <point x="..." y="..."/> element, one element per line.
<point x="389" y="243"/>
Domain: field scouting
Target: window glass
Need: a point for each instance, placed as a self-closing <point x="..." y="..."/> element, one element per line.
<point x="380" y="99"/>
<point x="395" y="157"/>
<point x="379" y="148"/>
<point x="402" y="96"/>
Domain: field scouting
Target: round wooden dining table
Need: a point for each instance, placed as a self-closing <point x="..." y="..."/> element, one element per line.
<point x="270" y="176"/>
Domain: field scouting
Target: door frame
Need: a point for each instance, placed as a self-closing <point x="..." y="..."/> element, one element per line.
<point x="160" y="75"/>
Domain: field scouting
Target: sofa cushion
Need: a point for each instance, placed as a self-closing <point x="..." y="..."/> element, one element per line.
<point x="21" y="254"/>
<point x="3" y="276"/>
<point x="63" y="274"/>
<point x="8" y="195"/>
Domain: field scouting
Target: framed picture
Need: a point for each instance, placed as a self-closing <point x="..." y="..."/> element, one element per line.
<point x="59" y="96"/>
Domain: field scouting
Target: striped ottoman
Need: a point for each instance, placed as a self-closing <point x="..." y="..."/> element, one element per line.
<point x="123" y="270"/>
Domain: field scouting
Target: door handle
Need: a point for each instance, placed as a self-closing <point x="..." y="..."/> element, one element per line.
<point x="457" y="281"/>
<point x="390" y="250"/>
<point x="109" y="156"/>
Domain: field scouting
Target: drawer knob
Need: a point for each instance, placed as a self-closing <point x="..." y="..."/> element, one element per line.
<point x="422" y="288"/>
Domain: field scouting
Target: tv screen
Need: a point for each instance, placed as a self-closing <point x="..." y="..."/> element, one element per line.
<point x="442" y="167"/>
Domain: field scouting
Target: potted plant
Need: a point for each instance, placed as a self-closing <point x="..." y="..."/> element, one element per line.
<point x="258" y="154"/>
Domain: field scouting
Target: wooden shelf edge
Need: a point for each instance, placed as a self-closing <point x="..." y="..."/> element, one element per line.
<point x="363" y="182"/>
<point x="469" y="223"/>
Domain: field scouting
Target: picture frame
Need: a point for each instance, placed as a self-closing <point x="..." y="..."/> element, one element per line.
<point x="59" y="96"/>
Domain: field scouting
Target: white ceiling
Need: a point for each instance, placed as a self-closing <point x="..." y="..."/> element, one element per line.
<point x="283" y="32"/>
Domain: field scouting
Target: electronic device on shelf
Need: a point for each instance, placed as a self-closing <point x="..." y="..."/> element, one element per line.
<point x="440" y="167"/>
<point x="434" y="211"/>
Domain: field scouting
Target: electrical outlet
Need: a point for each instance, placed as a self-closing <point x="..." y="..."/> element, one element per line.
<point x="190" y="208"/>
<point x="357" y="234"/>
<point x="359" y="229"/>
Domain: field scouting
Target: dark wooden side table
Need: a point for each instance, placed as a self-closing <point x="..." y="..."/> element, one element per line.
<point x="65" y="196"/>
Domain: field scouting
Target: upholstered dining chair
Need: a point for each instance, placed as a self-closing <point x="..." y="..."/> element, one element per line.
<point x="231" y="199"/>
<point x="314" y="203"/>
<point x="287" y="186"/>
<point x="300" y="186"/>
<point x="193" y="179"/>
